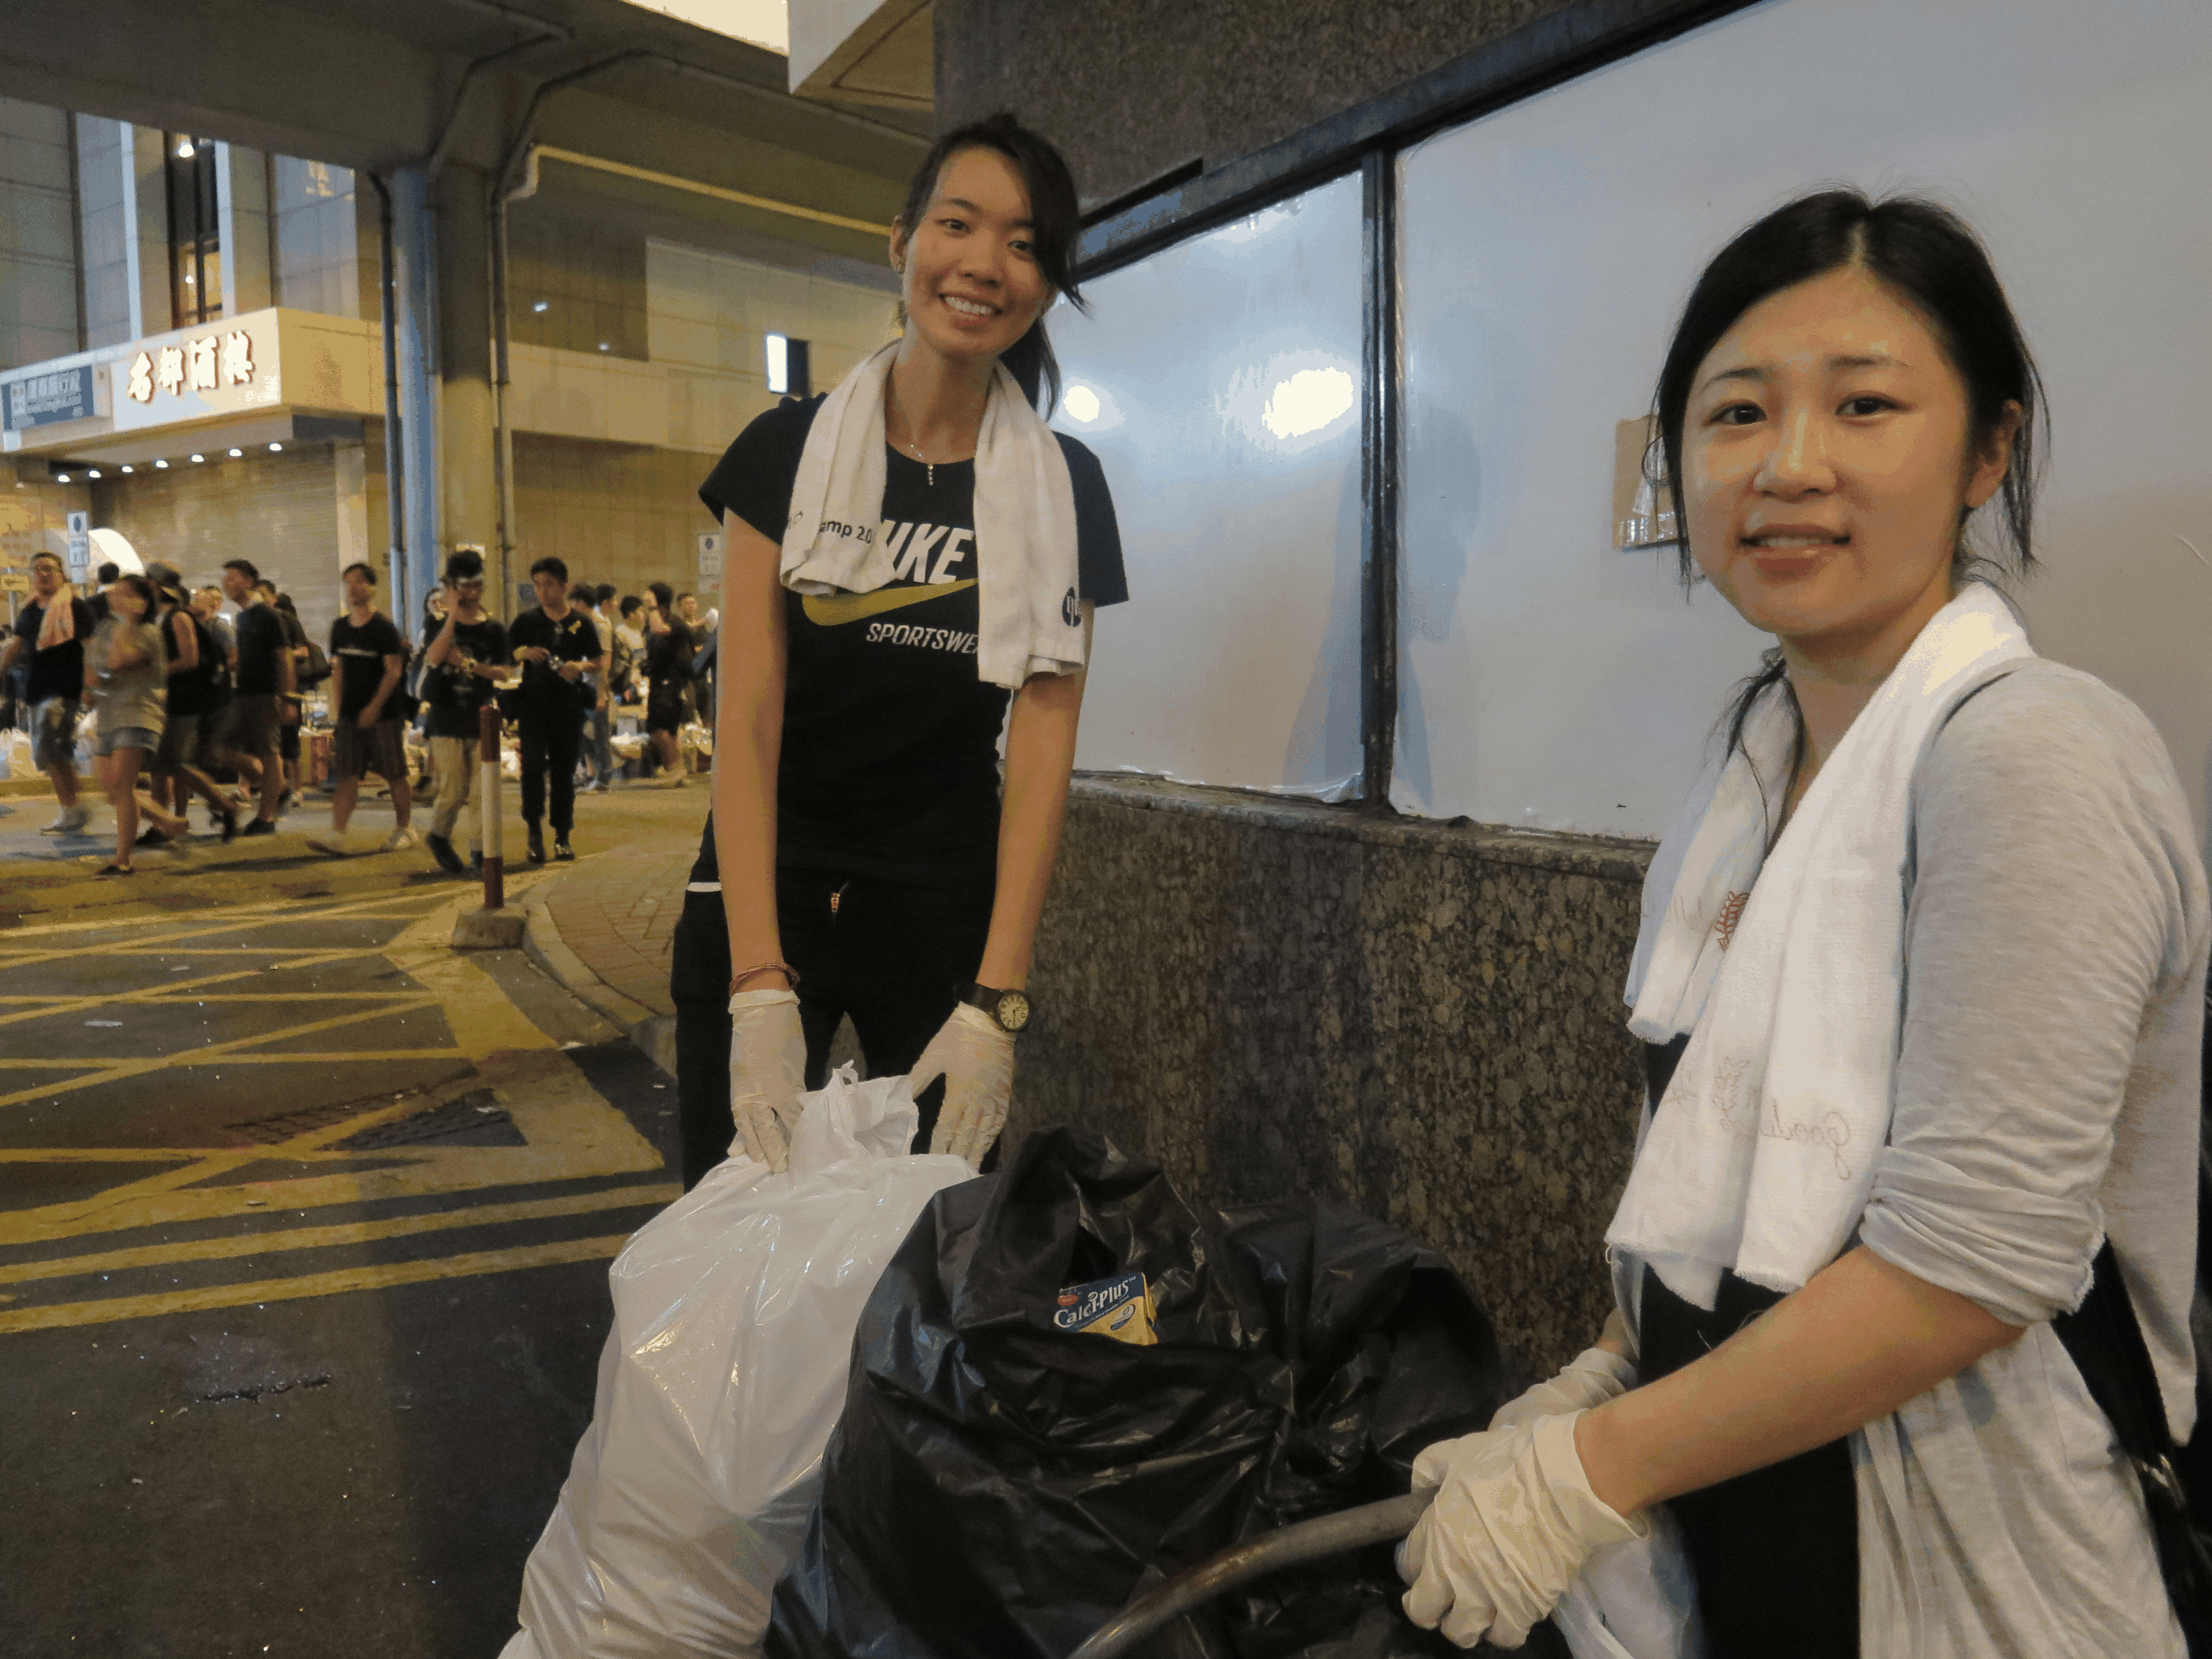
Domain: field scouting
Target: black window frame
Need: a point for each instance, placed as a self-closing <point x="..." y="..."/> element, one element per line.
<point x="1368" y="139"/>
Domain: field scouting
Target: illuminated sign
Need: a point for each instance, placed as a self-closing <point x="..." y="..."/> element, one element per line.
<point x="64" y="394"/>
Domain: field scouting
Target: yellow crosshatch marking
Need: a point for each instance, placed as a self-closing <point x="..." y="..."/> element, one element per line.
<point x="568" y="1131"/>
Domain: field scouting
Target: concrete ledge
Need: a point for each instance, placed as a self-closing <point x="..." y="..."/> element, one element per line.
<point x="488" y="930"/>
<point x="1611" y="858"/>
<point x="651" y="1034"/>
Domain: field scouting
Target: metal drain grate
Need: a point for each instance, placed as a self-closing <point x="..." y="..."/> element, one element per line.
<point x="273" y="1131"/>
<point x="472" y="1114"/>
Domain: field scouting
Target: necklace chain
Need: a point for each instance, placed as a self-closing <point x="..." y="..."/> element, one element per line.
<point x="906" y="420"/>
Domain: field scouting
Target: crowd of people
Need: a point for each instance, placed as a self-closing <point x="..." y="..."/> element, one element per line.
<point x="202" y="693"/>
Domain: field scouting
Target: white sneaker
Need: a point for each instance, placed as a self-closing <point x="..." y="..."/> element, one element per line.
<point x="399" y="840"/>
<point x="71" y="822"/>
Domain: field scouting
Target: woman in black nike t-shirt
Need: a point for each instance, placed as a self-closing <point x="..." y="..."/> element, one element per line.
<point x="862" y="852"/>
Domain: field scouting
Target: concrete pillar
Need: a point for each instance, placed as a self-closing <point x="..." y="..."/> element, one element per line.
<point x="350" y="481"/>
<point x="146" y="246"/>
<point x="414" y="245"/>
<point x="242" y="223"/>
<point x="470" y="502"/>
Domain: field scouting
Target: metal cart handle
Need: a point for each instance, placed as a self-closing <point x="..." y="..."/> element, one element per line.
<point x="1270" y="1552"/>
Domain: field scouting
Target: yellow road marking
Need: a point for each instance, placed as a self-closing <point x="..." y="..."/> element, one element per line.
<point x="277" y="909"/>
<point x="222" y="996"/>
<point x="356" y="1232"/>
<point x="190" y="1057"/>
<point x="187" y="1154"/>
<point x="110" y="1309"/>
<point x="119" y="1071"/>
<point x="569" y="1130"/>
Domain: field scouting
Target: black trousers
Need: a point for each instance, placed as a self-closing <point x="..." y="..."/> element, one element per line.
<point x="551" y="740"/>
<point x="892" y="954"/>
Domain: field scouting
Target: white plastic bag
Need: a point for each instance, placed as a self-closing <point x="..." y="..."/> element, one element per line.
<point x="734" y="1313"/>
<point x="1636" y="1599"/>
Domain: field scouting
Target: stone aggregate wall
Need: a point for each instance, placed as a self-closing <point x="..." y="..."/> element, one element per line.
<point x="1422" y="1020"/>
<point x="1133" y="89"/>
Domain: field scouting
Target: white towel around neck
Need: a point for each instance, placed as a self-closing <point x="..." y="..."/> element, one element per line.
<point x="1029" y="619"/>
<point x="1789" y="975"/>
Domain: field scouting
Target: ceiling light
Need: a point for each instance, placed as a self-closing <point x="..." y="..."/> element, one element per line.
<point x="542" y="305"/>
<point x="779" y="362"/>
<point x="200" y="457"/>
<point x="161" y="466"/>
<point x="62" y="477"/>
<point x="92" y="472"/>
<point x="604" y="346"/>
<point x="276" y="448"/>
<point x="238" y="451"/>
<point x="126" y="469"/>
<point x="1082" y="403"/>
<point x="184" y="149"/>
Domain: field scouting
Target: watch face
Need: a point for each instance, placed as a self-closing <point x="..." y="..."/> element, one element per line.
<point x="1013" y="1010"/>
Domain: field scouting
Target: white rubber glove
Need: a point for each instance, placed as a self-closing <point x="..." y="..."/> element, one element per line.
<point x="1513" y="1523"/>
<point x="768" y="1069"/>
<point x="1593" y="1378"/>
<point x="976" y="1058"/>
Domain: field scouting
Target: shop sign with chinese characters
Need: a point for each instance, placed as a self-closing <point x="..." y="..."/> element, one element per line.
<point x="217" y="369"/>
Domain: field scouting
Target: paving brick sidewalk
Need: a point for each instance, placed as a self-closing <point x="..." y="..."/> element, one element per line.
<point x="617" y="912"/>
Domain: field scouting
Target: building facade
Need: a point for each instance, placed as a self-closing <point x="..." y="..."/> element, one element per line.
<point x="193" y="360"/>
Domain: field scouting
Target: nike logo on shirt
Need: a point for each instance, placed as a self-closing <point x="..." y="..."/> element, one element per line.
<point x="835" y="610"/>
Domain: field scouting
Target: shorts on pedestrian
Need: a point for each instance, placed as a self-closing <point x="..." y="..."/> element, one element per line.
<point x="357" y="750"/>
<point x="663" y="708"/>
<point x="53" y="734"/>
<point x="180" y="743"/>
<point x="250" y="724"/>
<point x="127" y="736"/>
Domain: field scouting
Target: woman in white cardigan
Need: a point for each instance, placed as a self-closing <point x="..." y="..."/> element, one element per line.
<point x="1919" y="985"/>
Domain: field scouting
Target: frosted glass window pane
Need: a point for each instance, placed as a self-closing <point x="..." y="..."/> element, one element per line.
<point x="1218" y="382"/>
<point x="1546" y="250"/>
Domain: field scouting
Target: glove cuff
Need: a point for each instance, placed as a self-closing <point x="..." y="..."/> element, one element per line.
<point x="744" y="999"/>
<point x="976" y="1020"/>
<point x="1593" y="1520"/>
<point x="1618" y="1374"/>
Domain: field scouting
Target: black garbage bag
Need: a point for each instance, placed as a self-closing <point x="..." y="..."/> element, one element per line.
<point x="999" y="1486"/>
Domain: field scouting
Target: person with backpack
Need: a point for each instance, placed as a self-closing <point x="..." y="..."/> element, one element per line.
<point x="195" y="666"/>
<point x="310" y="668"/>
<point x="1920" y="984"/>
<point x="365" y="734"/>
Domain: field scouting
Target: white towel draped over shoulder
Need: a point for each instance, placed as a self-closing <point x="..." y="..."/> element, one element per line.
<point x="1031" y="619"/>
<point x="1788" y="974"/>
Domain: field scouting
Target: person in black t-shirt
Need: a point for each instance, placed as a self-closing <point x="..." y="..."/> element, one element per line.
<point x="558" y="646"/>
<point x="262" y="671"/>
<point x="466" y="662"/>
<point x="368" y="657"/>
<point x="668" y="651"/>
<point x="194" y="664"/>
<point x="50" y="634"/>
<point x="874" y="868"/>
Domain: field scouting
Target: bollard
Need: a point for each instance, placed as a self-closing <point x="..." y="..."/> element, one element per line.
<point x="494" y="928"/>
<point x="488" y="812"/>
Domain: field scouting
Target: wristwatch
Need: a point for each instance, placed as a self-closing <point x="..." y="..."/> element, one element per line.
<point x="1011" y="1009"/>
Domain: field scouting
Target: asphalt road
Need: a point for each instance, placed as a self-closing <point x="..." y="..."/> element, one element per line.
<point x="305" y="1221"/>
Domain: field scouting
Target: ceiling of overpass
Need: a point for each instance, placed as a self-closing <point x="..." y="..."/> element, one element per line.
<point x="763" y="22"/>
<point x="373" y="86"/>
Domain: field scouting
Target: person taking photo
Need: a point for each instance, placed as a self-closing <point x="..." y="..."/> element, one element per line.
<point x="466" y="662"/>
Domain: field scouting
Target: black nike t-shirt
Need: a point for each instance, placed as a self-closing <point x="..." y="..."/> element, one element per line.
<point x="890" y="758"/>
